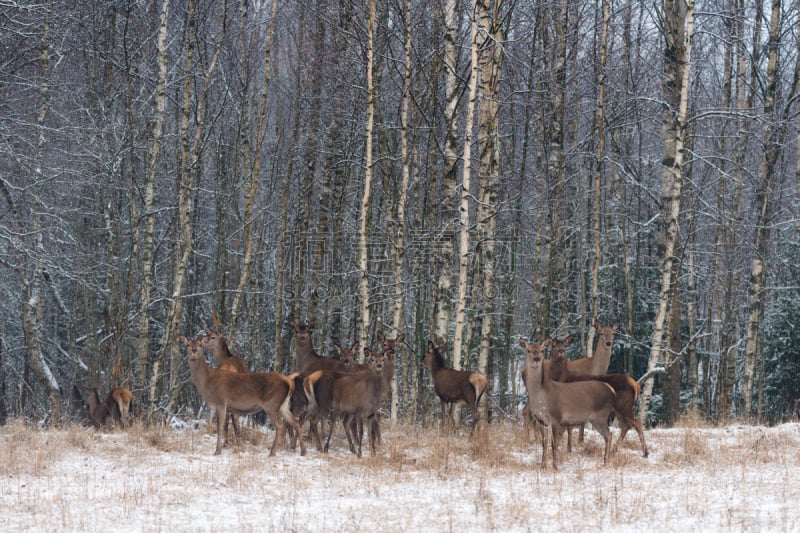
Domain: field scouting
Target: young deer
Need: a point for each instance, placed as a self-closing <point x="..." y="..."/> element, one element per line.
<point x="218" y="345"/>
<point x="626" y="392"/>
<point x="115" y="409"/>
<point x="248" y="393"/>
<point x="454" y="386"/>
<point x="557" y="404"/>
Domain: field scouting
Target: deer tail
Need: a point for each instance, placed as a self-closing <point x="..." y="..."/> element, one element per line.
<point x="308" y="387"/>
<point x="480" y="384"/>
<point x="637" y="389"/>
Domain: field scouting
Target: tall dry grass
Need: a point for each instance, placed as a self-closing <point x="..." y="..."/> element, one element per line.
<point x="493" y="474"/>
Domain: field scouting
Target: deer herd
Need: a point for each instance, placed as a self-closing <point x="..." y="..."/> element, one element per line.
<point x="323" y="391"/>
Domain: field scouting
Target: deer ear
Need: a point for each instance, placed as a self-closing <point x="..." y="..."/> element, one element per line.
<point x="380" y="336"/>
<point x="183" y="339"/>
<point x="367" y="352"/>
<point x="355" y="346"/>
<point x="615" y="326"/>
<point x="568" y="340"/>
<point x="430" y="346"/>
<point x="337" y="348"/>
<point x="401" y="337"/>
<point x="523" y="342"/>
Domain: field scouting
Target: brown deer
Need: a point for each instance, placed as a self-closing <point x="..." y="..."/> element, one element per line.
<point x="626" y="392"/>
<point x="348" y="357"/>
<point x="306" y="359"/>
<point x="454" y="386"/>
<point x="115" y="409"/>
<point x="218" y="345"/>
<point x="390" y="348"/>
<point x="247" y="393"/>
<point x="556" y="404"/>
<point x="355" y="396"/>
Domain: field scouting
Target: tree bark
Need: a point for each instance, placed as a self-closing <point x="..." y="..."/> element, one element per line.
<point x="597" y="205"/>
<point x="758" y="265"/>
<point x="678" y="33"/>
<point x="143" y="345"/>
<point x="254" y="175"/>
<point x="444" y="248"/>
<point x="464" y="251"/>
<point x="366" y="198"/>
<point x="490" y="17"/>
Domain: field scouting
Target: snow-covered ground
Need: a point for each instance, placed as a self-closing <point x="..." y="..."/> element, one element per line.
<point x="735" y="478"/>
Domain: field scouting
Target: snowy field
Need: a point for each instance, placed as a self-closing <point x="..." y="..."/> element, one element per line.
<point x="735" y="478"/>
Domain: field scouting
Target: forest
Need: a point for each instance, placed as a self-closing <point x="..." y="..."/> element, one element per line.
<point x="470" y="172"/>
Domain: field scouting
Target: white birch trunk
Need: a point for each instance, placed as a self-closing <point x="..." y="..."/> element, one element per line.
<point x="363" y="222"/>
<point x="671" y="183"/>
<point x="143" y="347"/>
<point x="463" y="236"/>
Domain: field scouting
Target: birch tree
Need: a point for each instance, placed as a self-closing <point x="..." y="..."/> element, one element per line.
<point x="678" y="29"/>
<point x="398" y="233"/>
<point x="772" y="138"/>
<point x="254" y="171"/>
<point x="143" y="348"/>
<point x="491" y="17"/>
<point x="464" y="251"/>
<point x="597" y="236"/>
<point x="363" y="221"/>
<point x="444" y="248"/>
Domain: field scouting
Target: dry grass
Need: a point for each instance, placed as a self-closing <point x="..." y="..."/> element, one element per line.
<point x="420" y="479"/>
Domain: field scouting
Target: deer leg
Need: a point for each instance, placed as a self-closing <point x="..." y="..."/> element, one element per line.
<point x="297" y="428"/>
<point x="313" y="430"/>
<point x="474" y="408"/>
<point x="374" y="425"/>
<point x="221" y="415"/>
<point x="580" y="433"/>
<point x="350" y="428"/>
<point x="543" y="431"/>
<point x="602" y="428"/>
<point x="554" y="443"/>
<point x="331" y="423"/>
<point x="638" y="427"/>
<point x="280" y="430"/>
<point x="568" y="429"/>
<point x="374" y="432"/>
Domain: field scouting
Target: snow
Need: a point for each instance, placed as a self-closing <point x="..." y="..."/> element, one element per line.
<point x="734" y="478"/>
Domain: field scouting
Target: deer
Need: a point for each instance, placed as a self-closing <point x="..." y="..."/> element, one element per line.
<point x="115" y="409"/>
<point x="626" y="392"/>
<point x="247" y="393"/>
<point x="453" y="386"/>
<point x="554" y="404"/>
<point x="347" y="357"/>
<point x="306" y="359"/>
<point x="354" y="395"/>
<point x="218" y="345"/>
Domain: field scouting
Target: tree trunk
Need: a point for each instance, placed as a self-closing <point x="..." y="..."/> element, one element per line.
<point x="597" y="205"/>
<point x="398" y="234"/>
<point x="490" y="21"/>
<point x="366" y="198"/>
<point x="758" y="265"/>
<point x="143" y="345"/>
<point x="679" y="22"/>
<point x="254" y="168"/>
<point x="464" y="218"/>
<point x="444" y="243"/>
